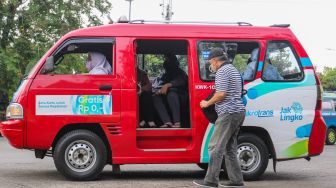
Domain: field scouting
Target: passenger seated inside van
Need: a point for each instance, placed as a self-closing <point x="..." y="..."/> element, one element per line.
<point x="174" y="89"/>
<point x="97" y="64"/>
<point x="270" y="72"/>
<point x="248" y="74"/>
<point x="146" y="108"/>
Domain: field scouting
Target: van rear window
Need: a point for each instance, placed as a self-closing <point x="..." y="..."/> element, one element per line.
<point x="281" y="63"/>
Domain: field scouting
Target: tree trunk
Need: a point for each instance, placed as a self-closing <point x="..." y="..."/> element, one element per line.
<point x="1" y="14"/>
<point x="9" y="25"/>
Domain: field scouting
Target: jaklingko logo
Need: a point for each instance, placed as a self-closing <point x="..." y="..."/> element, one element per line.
<point x="291" y="113"/>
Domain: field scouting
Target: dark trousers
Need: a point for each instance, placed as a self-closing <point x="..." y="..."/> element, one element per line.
<point x="146" y="107"/>
<point x="224" y="142"/>
<point x="172" y="98"/>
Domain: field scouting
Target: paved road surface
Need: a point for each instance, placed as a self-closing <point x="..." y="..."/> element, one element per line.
<point x="19" y="168"/>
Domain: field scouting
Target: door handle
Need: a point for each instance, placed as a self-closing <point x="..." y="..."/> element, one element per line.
<point x="105" y="87"/>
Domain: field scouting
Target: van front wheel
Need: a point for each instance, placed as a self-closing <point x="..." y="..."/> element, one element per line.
<point x="80" y="155"/>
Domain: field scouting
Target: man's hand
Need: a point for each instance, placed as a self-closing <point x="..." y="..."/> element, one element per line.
<point x="204" y="104"/>
<point x="165" y="88"/>
<point x="218" y="96"/>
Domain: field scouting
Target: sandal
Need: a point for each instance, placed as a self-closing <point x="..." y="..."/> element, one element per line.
<point x="177" y="125"/>
<point x="142" y="123"/>
<point x="151" y="124"/>
<point x="166" y="125"/>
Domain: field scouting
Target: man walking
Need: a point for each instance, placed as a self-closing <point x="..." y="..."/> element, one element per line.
<point x="231" y="114"/>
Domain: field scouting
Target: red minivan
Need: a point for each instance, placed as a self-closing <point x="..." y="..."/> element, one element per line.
<point x="85" y="121"/>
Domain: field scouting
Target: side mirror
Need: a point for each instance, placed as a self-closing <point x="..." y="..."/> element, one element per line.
<point x="49" y="65"/>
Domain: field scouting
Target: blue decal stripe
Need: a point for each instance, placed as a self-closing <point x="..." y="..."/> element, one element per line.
<point x="306" y="62"/>
<point x="206" y="139"/>
<point x="260" y="65"/>
<point x="269" y="87"/>
<point x="304" y="131"/>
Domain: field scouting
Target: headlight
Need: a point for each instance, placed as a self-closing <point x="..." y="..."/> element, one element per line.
<point x="14" y="111"/>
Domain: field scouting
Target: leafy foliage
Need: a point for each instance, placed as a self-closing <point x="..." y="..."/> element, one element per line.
<point x="285" y="61"/>
<point x="71" y="64"/>
<point x="29" y="27"/>
<point x="328" y="79"/>
<point x="240" y="61"/>
<point x="154" y="64"/>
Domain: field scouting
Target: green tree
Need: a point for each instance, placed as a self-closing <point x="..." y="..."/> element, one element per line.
<point x="240" y="61"/>
<point x="154" y="64"/>
<point x="281" y="60"/>
<point x="328" y="79"/>
<point x="29" y="27"/>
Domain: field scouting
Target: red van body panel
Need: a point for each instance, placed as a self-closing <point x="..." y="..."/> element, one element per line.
<point x="129" y="145"/>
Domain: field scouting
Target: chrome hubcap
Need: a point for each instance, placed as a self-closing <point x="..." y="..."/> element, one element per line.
<point x="80" y="156"/>
<point x="248" y="156"/>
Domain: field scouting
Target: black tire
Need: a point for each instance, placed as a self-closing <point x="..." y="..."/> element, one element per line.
<point x="86" y="155"/>
<point x="331" y="136"/>
<point x="251" y="144"/>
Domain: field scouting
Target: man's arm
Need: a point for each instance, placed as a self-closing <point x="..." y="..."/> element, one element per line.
<point x="218" y="96"/>
<point x="147" y="85"/>
<point x="179" y="80"/>
<point x="221" y="87"/>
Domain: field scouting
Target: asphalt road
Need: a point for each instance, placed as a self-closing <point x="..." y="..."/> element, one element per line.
<point x="19" y="168"/>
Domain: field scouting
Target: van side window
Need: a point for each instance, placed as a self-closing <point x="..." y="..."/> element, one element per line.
<point x="243" y="55"/>
<point x="81" y="57"/>
<point x="281" y="63"/>
<point x="71" y="64"/>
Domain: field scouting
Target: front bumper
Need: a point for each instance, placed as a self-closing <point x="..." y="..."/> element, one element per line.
<point x="13" y="131"/>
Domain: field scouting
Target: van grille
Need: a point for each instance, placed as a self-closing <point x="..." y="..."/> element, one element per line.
<point x="114" y="129"/>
